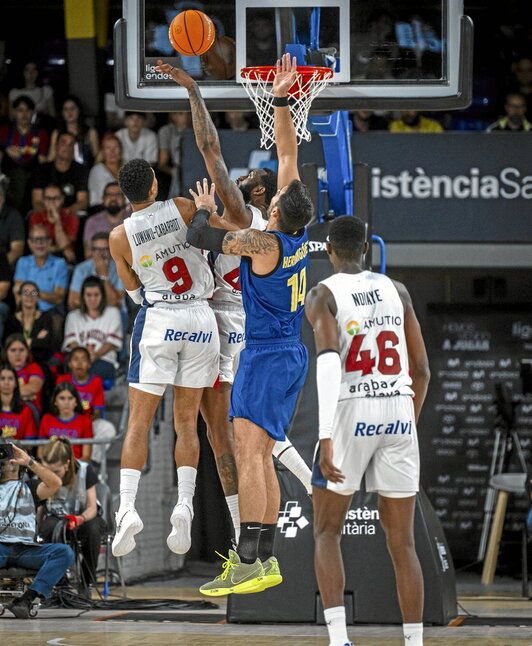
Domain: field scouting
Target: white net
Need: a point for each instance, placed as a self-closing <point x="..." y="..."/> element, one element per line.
<point x="258" y="85"/>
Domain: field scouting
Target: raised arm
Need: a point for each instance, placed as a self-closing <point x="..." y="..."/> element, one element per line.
<point x="208" y="143"/>
<point x="285" y="133"/>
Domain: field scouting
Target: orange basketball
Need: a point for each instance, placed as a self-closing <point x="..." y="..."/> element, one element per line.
<point x="191" y="32"/>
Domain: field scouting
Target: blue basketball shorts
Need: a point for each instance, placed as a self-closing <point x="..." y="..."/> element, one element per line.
<point x="267" y="384"/>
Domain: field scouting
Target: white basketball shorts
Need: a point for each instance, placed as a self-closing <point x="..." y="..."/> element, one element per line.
<point x="176" y="345"/>
<point x="231" y="322"/>
<point x="376" y="437"/>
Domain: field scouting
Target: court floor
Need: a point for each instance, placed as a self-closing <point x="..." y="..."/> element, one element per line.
<point x="64" y="627"/>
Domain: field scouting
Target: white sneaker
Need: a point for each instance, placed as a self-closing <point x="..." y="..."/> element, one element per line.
<point x="128" y="523"/>
<point x="179" y="539"/>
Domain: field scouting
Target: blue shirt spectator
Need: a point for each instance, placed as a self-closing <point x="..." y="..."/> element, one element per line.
<point x="48" y="272"/>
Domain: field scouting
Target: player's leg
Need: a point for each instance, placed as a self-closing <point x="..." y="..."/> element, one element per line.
<point x="397" y="519"/>
<point x="142" y="407"/>
<point x="215" y="411"/>
<point x="186" y="410"/>
<point x="289" y="457"/>
<point x="330" y="509"/>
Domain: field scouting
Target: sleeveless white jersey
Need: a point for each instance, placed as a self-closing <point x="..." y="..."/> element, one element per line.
<point x="170" y="270"/>
<point x="226" y="268"/>
<point x="373" y="352"/>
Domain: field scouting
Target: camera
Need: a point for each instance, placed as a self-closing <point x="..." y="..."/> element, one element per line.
<point x="6" y="451"/>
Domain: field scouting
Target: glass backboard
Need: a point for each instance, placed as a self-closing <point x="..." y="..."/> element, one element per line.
<point x="385" y="54"/>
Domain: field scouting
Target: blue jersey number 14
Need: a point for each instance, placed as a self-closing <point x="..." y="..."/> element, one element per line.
<point x="298" y="283"/>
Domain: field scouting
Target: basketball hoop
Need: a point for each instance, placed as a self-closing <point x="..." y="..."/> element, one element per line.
<point x="310" y="81"/>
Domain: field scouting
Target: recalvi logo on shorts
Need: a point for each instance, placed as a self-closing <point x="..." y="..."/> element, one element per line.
<point x="192" y="337"/>
<point x="394" y="428"/>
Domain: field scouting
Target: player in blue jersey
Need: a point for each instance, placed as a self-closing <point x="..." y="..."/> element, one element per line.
<point x="273" y="364"/>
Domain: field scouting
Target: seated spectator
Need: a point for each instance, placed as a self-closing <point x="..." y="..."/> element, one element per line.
<point x="48" y="272"/>
<point x="11" y="227"/>
<point x="23" y="146"/>
<point x="64" y="172"/>
<point x="97" y="327"/>
<point x="40" y="329"/>
<point x="514" y="119"/>
<point x="30" y="374"/>
<point x="101" y="265"/>
<point x="114" y="116"/>
<point x="106" y="171"/>
<point x="170" y="137"/>
<point x="73" y="120"/>
<point x="16" y="419"/>
<point x="364" y="120"/>
<point x="76" y="499"/>
<point x="61" y="224"/>
<point x="41" y="95"/>
<point x="90" y="390"/>
<point x="18" y="524"/>
<point x="66" y="418"/>
<point x="138" y="142"/>
<point x="237" y="121"/>
<point x="113" y="213"/>
<point x="522" y="77"/>
<point x="5" y="284"/>
<point x="412" y="121"/>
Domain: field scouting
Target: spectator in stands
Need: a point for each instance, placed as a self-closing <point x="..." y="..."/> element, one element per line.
<point x="97" y="327"/>
<point x="522" y="77"/>
<point x="38" y="328"/>
<point x="413" y="121"/>
<point x="73" y="120"/>
<point x="114" y="116"/>
<point x="61" y="224"/>
<point x="364" y="120"/>
<point x="76" y="499"/>
<point x="101" y="265"/>
<point x="114" y="212"/>
<point x="236" y="121"/>
<point x="106" y="170"/>
<point x="30" y="374"/>
<point x="64" y="172"/>
<point x="170" y="138"/>
<point x="41" y="95"/>
<point x="66" y="418"/>
<point x="23" y="146"/>
<point x="514" y="119"/>
<point x="5" y="284"/>
<point x="11" y="227"/>
<point x="18" y="523"/>
<point x="90" y="390"/>
<point x="138" y="142"/>
<point x="16" y="419"/>
<point x="48" y="272"/>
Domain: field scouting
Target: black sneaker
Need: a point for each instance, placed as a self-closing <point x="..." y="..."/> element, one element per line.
<point x="20" y="607"/>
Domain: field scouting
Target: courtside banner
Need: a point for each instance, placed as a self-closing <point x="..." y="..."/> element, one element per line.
<point x="449" y="187"/>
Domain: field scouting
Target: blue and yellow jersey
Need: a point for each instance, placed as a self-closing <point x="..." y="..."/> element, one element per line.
<point x="274" y="303"/>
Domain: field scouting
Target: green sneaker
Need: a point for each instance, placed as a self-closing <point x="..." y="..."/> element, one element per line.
<point x="272" y="576"/>
<point x="236" y="577"/>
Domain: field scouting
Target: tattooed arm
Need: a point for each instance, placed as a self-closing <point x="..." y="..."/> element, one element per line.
<point x="208" y="143"/>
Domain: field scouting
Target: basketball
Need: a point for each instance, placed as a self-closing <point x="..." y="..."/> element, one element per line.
<point x="191" y="32"/>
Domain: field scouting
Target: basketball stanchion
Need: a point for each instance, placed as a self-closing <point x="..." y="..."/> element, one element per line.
<point x="258" y="82"/>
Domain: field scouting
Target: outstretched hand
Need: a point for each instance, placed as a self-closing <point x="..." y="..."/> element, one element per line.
<point x="20" y="456"/>
<point x="285" y="75"/>
<point x="179" y="75"/>
<point x="204" y="198"/>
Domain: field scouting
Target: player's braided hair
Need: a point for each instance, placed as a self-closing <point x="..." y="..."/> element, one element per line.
<point x="347" y="235"/>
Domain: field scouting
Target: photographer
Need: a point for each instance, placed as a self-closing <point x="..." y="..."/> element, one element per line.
<point x="18" y="501"/>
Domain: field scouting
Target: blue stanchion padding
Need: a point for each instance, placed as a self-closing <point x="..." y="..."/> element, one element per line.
<point x="335" y="131"/>
<point x="315" y="16"/>
<point x="382" y="247"/>
<point x="299" y="51"/>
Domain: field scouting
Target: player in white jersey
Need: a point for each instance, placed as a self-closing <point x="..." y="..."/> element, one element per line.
<point x="245" y="206"/>
<point x="174" y="342"/>
<point x="372" y="378"/>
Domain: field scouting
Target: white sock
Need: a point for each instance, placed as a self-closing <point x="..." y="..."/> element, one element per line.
<point x="289" y="457"/>
<point x="186" y="484"/>
<point x="335" y="620"/>
<point x="232" y="505"/>
<point x="129" y="483"/>
<point x="413" y="634"/>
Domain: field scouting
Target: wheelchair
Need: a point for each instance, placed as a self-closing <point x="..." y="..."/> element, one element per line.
<point x="13" y="583"/>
